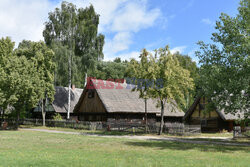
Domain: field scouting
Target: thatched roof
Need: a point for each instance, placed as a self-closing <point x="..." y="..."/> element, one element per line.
<point x="221" y="112"/>
<point x="228" y="116"/>
<point x="60" y="102"/>
<point x="121" y="99"/>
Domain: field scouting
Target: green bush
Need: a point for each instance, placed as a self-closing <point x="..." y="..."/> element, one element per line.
<point x="57" y="117"/>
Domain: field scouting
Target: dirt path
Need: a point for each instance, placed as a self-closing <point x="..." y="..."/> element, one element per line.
<point x="223" y="140"/>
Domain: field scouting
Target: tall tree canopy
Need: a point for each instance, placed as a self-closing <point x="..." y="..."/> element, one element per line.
<point x="187" y="63"/>
<point x="42" y="57"/>
<point x="142" y="71"/>
<point x="225" y="69"/>
<point x="168" y="81"/>
<point x="26" y="74"/>
<point x="75" y="30"/>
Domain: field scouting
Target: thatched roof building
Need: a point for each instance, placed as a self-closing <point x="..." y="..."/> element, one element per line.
<point x="60" y="103"/>
<point x="212" y="120"/>
<point x="112" y="98"/>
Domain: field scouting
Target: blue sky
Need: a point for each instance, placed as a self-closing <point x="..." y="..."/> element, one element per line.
<point x="128" y="25"/>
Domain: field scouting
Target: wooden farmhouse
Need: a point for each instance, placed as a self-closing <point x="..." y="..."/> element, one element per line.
<point x="60" y="103"/>
<point x="104" y="101"/>
<point x="210" y="121"/>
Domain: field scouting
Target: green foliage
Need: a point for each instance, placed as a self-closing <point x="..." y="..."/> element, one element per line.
<point x="26" y="74"/>
<point x="6" y="48"/>
<point x="18" y="79"/>
<point x="226" y="63"/>
<point x="57" y="117"/>
<point x="187" y="63"/>
<point x="42" y="57"/>
<point x="109" y="70"/>
<point x="175" y="81"/>
<point x="75" y="32"/>
<point x="61" y="64"/>
<point x="142" y="70"/>
<point x="118" y="60"/>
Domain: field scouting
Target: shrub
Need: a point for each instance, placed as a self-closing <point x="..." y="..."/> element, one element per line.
<point x="57" y="117"/>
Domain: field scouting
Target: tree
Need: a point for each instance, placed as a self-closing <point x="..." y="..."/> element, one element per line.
<point x="142" y="72"/>
<point x="76" y="31"/>
<point x="19" y="79"/>
<point x="187" y="63"/>
<point x="225" y="63"/>
<point x="109" y="70"/>
<point x="25" y="74"/>
<point x="42" y="57"/>
<point x="6" y="48"/>
<point x="118" y="60"/>
<point x="171" y="81"/>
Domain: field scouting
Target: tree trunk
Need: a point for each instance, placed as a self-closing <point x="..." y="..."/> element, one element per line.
<point x="3" y="114"/>
<point x="146" y="117"/>
<point x="43" y="111"/>
<point x="68" y="112"/>
<point x="162" y="118"/>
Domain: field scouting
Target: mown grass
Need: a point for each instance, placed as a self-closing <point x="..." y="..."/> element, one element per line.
<point x="27" y="148"/>
<point x="201" y="136"/>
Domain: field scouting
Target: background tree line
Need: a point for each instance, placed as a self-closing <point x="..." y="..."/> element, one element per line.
<point x="73" y="48"/>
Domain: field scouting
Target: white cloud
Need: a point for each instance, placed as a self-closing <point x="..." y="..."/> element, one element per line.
<point x="107" y="9"/>
<point x="208" y="22"/>
<point x="125" y="56"/>
<point x="178" y="49"/>
<point x="122" y="15"/>
<point x="134" y="16"/>
<point x="123" y="19"/>
<point x="119" y="20"/>
<point x="119" y="42"/>
<point x="23" y="19"/>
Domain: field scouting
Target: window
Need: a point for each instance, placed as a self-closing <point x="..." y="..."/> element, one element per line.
<point x="91" y="93"/>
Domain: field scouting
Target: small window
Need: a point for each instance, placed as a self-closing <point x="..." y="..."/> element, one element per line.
<point x="91" y="93"/>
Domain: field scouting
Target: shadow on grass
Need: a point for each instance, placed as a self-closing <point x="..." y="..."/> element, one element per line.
<point x="115" y="133"/>
<point x="172" y="145"/>
<point x="246" y="141"/>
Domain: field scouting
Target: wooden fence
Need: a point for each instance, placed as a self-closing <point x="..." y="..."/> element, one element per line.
<point x="181" y="129"/>
<point x="121" y="126"/>
<point x="65" y="124"/>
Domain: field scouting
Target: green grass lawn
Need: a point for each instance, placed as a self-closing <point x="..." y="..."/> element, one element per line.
<point x="27" y="148"/>
<point x="227" y="134"/>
